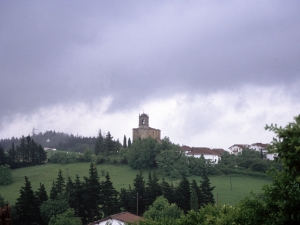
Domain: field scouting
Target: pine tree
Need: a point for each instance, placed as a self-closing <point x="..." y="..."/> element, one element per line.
<point x="2" y="156"/>
<point x="76" y="197"/>
<point x="127" y="202"/>
<point x="168" y="191"/>
<point x="139" y="192"/>
<point x="124" y="142"/>
<point x="109" y="198"/>
<point x="206" y="190"/>
<point x="41" y="194"/>
<point x="108" y="144"/>
<point x="153" y="188"/>
<point x="27" y="207"/>
<point x="194" y="200"/>
<point x="198" y="192"/>
<point x="92" y="188"/>
<point x="183" y="194"/>
<point x="99" y="146"/>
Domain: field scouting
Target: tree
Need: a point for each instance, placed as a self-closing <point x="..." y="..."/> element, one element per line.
<point x="27" y="207"/>
<point x="124" y="142"/>
<point x="5" y="175"/>
<point x="41" y="194"/>
<point x="92" y="195"/>
<point x="183" y="194"/>
<point x="65" y="218"/>
<point x="168" y="191"/>
<point x="153" y="188"/>
<point x="53" y="207"/>
<point x="109" y="198"/>
<point x="161" y="209"/>
<point x="2" y="156"/>
<point x="206" y="191"/>
<point x="127" y="202"/>
<point x="194" y="200"/>
<point x="129" y="142"/>
<point x="87" y="154"/>
<point x="139" y="193"/>
<point x="58" y="187"/>
<point x="99" y="146"/>
<point x="108" y="144"/>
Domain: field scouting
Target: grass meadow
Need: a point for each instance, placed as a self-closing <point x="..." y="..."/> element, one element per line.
<point x="122" y="176"/>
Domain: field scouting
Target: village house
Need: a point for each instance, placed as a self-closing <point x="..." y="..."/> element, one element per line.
<point x="214" y="155"/>
<point x="118" y="219"/>
<point x="237" y="148"/>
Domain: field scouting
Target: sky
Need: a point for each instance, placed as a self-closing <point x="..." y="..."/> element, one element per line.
<point x="208" y="73"/>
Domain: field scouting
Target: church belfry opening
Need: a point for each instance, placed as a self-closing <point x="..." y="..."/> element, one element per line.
<point x="144" y="120"/>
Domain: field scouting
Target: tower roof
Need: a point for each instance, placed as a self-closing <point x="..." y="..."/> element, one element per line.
<point x="144" y="114"/>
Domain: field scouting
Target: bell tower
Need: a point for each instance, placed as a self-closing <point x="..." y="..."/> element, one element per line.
<point x="143" y="121"/>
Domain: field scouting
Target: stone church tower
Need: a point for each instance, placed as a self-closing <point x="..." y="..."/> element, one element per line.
<point x="144" y="131"/>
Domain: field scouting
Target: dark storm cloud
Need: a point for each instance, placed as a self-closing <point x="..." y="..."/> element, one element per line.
<point x="74" y="51"/>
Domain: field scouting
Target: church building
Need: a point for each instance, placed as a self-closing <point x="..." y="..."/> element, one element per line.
<point x="144" y="131"/>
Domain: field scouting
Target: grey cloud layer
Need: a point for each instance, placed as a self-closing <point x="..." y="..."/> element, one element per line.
<point x="81" y="51"/>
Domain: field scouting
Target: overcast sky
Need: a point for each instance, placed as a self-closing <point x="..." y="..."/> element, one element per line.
<point x="208" y="73"/>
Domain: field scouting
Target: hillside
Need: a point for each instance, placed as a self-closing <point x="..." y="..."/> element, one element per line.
<point x="122" y="176"/>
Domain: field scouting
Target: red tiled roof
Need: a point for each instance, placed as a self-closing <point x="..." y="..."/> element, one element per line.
<point x="201" y="150"/>
<point x="185" y="148"/>
<point x="124" y="217"/>
<point x="264" y="146"/>
<point x="218" y="150"/>
<point x="242" y="146"/>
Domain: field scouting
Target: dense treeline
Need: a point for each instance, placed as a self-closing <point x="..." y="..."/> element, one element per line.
<point x="58" y="140"/>
<point x="27" y="153"/>
<point x="91" y="199"/>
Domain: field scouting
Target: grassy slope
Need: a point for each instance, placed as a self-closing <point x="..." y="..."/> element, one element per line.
<point x="121" y="176"/>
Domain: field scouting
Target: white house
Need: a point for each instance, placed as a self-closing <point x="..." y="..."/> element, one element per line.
<point x="207" y="153"/>
<point x="118" y="219"/>
<point x="237" y="148"/>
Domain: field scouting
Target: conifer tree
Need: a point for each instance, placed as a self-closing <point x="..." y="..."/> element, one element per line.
<point x="127" y="200"/>
<point x="139" y="192"/>
<point x="124" y="142"/>
<point x="99" y="146"/>
<point x="58" y="187"/>
<point x="2" y="156"/>
<point x="206" y="190"/>
<point x="129" y="142"/>
<point x="194" y="200"/>
<point x="109" y="198"/>
<point x="92" y="188"/>
<point x="27" y="207"/>
<point x="198" y="192"/>
<point x="153" y="188"/>
<point x="41" y="194"/>
<point x="168" y="191"/>
<point x="183" y="194"/>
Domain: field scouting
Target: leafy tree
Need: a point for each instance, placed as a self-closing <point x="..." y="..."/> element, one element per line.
<point x="87" y="154"/>
<point x="183" y="194"/>
<point x="5" y="175"/>
<point x="124" y="142"/>
<point x="109" y="198"/>
<point x="27" y="207"/>
<point x="65" y="218"/>
<point x="142" y="153"/>
<point x="161" y="209"/>
<point x="53" y="207"/>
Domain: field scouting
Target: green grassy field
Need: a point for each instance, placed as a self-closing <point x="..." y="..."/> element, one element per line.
<point x="122" y="176"/>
